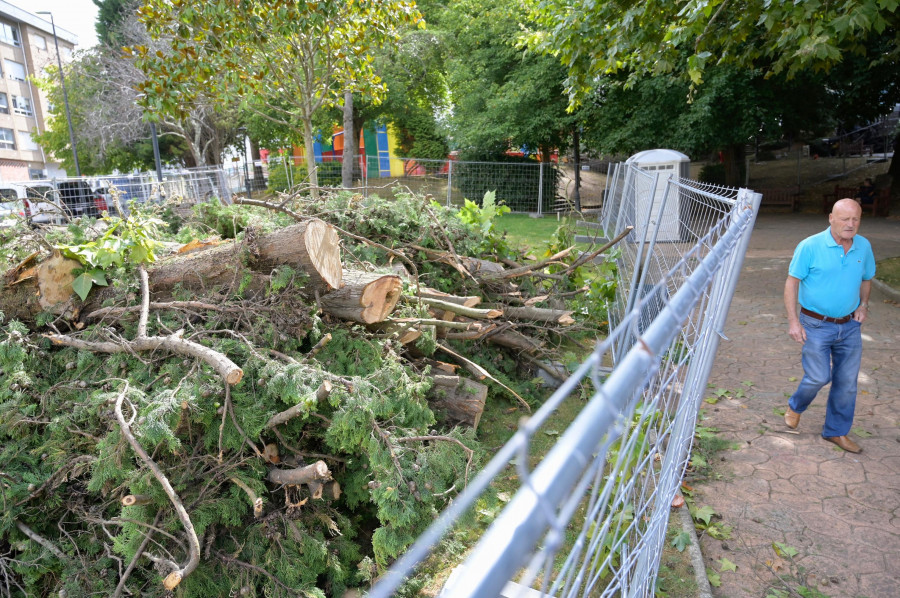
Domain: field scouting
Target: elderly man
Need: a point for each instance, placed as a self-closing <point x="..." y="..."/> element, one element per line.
<point x="831" y="275"/>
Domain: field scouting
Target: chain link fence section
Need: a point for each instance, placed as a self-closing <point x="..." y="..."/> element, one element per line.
<point x="590" y="518"/>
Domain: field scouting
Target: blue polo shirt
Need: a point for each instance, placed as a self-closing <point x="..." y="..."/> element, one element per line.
<point x="829" y="280"/>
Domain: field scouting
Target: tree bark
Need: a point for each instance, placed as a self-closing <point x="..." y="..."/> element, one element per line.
<point x="349" y="157"/>
<point x="366" y="297"/>
<point x="461" y="399"/>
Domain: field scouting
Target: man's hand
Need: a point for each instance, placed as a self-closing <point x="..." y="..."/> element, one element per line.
<point x="797" y="332"/>
<point x="861" y="313"/>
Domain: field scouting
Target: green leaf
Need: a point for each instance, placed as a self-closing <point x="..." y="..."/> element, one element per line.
<point x="82" y="285"/>
<point x="782" y="549"/>
<point x="703" y="514"/>
<point x="98" y="277"/>
<point x="726" y="565"/>
<point x="715" y="580"/>
<point x="862" y="433"/>
<point x="681" y="541"/>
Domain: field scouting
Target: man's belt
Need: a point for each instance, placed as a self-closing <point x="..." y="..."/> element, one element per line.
<point x="813" y="314"/>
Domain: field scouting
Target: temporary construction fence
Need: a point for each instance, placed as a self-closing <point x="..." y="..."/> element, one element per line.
<point x="54" y="201"/>
<point x="529" y="186"/>
<point x="590" y="519"/>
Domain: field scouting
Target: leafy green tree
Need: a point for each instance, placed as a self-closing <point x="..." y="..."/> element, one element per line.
<point x="502" y="96"/>
<point x="654" y="36"/>
<point x="295" y="57"/>
<point x="110" y="16"/>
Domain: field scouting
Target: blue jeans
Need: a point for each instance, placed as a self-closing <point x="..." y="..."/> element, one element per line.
<point x="831" y="353"/>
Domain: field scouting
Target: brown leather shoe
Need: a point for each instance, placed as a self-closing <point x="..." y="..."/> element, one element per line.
<point x="791" y="418"/>
<point x="845" y="443"/>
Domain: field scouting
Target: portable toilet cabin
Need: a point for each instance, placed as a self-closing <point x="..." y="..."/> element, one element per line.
<point x="667" y="164"/>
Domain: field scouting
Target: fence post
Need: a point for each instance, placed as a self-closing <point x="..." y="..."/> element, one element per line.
<point x="449" y="180"/>
<point x="540" y="205"/>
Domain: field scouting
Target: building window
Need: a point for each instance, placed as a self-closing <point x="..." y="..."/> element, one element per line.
<point x="4" y="104"/>
<point x="9" y="34"/>
<point x="36" y="174"/>
<point x="22" y="105"/>
<point x="27" y="143"/>
<point x="40" y="42"/>
<point x="7" y="139"/>
<point x="15" y="69"/>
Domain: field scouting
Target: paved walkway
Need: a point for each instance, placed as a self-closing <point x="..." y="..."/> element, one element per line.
<point x="840" y="512"/>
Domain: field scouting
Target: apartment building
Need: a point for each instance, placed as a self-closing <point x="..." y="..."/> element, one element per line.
<point x="26" y="48"/>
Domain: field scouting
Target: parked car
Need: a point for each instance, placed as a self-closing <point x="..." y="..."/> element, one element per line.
<point x="12" y="209"/>
<point x="42" y="204"/>
<point x="78" y="199"/>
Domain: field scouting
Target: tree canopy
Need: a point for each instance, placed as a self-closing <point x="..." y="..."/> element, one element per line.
<point x="294" y="57"/>
<point x="651" y="37"/>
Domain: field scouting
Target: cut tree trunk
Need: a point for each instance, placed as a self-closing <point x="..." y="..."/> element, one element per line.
<point x="366" y="297"/>
<point x="312" y="247"/>
<point x="460" y="399"/>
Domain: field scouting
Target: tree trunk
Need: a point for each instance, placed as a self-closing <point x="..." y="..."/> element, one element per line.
<point x="309" y="150"/>
<point x="576" y="149"/>
<point x="312" y="247"/>
<point x="349" y="157"/>
<point x="460" y="399"/>
<point x="366" y="297"/>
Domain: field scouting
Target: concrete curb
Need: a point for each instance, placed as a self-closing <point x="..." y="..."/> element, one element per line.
<point x="704" y="590"/>
<point x="891" y="292"/>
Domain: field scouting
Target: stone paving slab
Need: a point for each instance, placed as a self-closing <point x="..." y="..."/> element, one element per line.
<point x="840" y="512"/>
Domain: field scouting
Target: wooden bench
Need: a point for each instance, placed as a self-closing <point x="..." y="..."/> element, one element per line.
<point x="880" y="207"/>
<point x="779" y="197"/>
<point x="882" y="204"/>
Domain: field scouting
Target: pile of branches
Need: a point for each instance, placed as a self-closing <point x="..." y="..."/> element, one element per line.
<point x="278" y="406"/>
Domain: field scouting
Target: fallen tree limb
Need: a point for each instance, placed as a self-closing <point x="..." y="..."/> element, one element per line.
<point x="33" y="535"/>
<point x="563" y="317"/>
<point x="462" y="310"/>
<point x="524" y="270"/>
<point x="288" y="414"/>
<point x="586" y="257"/>
<point x="470" y="454"/>
<point x="482" y="373"/>
<point x="255" y="500"/>
<point x="174" y="578"/>
<point x="317" y="471"/>
<point x="227" y="369"/>
<point x="468" y="301"/>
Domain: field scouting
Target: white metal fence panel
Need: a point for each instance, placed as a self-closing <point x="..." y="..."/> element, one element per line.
<point x="590" y="519"/>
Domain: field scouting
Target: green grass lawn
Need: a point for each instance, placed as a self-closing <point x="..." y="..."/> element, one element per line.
<point x="529" y="233"/>
<point x="888" y="272"/>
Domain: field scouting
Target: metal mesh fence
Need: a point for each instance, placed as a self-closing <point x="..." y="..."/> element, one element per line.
<point x="532" y="187"/>
<point x="590" y="518"/>
<point x="55" y="201"/>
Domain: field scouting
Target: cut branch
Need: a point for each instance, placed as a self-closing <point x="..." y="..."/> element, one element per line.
<point x="462" y="310"/>
<point x="175" y="577"/>
<point x="301" y="475"/>
<point x="227" y="369"/>
<point x="288" y="414"/>
<point x="33" y="535"/>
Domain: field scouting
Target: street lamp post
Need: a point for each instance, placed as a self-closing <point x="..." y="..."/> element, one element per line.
<point x="62" y="80"/>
